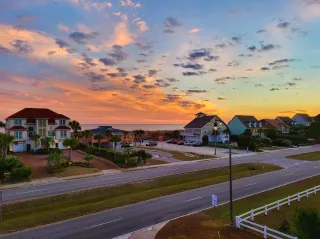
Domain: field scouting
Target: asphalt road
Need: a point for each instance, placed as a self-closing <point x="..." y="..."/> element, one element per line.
<point x="119" y="221"/>
<point x="41" y="190"/>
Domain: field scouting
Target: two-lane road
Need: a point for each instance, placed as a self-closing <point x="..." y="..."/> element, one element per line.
<point x="41" y="190"/>
<point x="119" y="221"/>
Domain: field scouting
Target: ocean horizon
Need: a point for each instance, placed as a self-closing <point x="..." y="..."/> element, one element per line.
<point x="131" y="127"/>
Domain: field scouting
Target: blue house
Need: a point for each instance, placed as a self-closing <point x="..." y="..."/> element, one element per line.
<point x="240" y="123"/>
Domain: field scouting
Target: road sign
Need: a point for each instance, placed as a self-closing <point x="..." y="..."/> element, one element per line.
<point x="214" y="200"/>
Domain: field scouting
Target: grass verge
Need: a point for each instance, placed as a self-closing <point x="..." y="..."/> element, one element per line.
<point x="27" y="214"/>
<point x="76" y="170"/>
<point x="155" y="162"/>
<point x="181" y="155"/>
<point x="313" y="156"/>
<point x="220" y="215"/>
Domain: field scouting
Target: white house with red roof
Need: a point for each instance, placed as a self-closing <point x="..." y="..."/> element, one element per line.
<point x="44" y="122"/>
<point x="204" y="124"/>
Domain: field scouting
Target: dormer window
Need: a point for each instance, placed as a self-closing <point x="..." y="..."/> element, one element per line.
<point x="18" y="122"/>
<point x="260" y="124"/>
<point x="255" y="124"/>
<point x="249" y="124"/>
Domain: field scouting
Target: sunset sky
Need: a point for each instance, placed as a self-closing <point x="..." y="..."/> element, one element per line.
<point x="152" y="61"/>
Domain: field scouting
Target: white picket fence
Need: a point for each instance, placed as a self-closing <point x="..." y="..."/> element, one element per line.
<point x="245" y="220"/>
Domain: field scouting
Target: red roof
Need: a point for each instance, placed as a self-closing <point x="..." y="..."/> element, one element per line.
<point x="51" y="121"/>
<point x="62" y="127"/>
<point x="37" y="113"/>
<point x="17" y="128"/>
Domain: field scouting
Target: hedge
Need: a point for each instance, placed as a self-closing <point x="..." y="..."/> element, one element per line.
<point x="20" y="174"/>
<point x="282" y="142"/>
<point x="295" y="139"/>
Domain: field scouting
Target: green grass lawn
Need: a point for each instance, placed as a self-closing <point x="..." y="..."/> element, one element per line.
<point x="179" y="228"/>
<point x="313" y="156"/>
<point x="182" y="155"/>
<point x="27" y="214"/>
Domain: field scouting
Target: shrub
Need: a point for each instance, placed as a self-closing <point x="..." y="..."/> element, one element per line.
<point x="132" y="162"/>
<point x="295" y="139"/>
<point x="243" y="141"/>
<point x="282" y="142"/>
<point x="81" y="146"/>
<point x="251" y="168"/>
<point x="253" y="146"/>
<point x="88" y="158"/>
<point x="266" y="141"/>
<point x="21" y="174"/>
<point x="81" y="164"/>
<point x="56" y="162"/>
<point x="12" y="162"/>
<point x="307" y="223"/>
<point x="45" y="151"/>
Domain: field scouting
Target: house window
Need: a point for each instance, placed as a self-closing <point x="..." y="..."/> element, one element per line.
<point x="42" y="132"/>
<point x="18" y="122"/>
<point x="62" y="122"/>
<point x="18" y="135"/>
<point x="42" y="123"/>
<point x="205" y="132"/>
<point x="63" y="134"/>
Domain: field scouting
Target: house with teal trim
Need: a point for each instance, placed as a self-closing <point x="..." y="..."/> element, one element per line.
<point x="240" y="123"/>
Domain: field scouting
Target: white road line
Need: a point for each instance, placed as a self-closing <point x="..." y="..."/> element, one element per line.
<point x="250" y="184"/>
<point x="32" y="191"/>
<point x="101" y="224"/>
<point x="288" y="174"/>
<point x="192" y="199"/>
<point x="317" y="167"/>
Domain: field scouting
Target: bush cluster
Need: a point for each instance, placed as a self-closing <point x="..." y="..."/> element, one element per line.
<point x="295" y="139"/>
<point x="13" y="167"/>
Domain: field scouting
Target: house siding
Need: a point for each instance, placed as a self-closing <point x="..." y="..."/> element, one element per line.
<point x="300" y="121"/>
<point x="236" y="126"/>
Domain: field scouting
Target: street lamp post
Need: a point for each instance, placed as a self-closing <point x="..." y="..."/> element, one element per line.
<point x="230" y="183"/>
<point x="215" y="127"/>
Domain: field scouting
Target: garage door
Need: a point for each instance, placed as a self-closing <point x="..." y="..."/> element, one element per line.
<point x="18" y="147"/>
<point x="61" y="146"/>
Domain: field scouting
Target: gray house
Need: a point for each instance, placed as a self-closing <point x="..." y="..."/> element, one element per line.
<point x="302" y="119"/>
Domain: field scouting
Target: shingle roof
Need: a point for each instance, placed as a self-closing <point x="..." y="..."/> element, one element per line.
<point x="272" y="122"/>
<point x="198" y="123"/>
<point x="37" y="113"/>
<point x="245" y="119"/>
<point x="17" y="128"/>
<point x="306" y="117"/>
<point x="102" y="129"/>
<point x="286" y="120"/>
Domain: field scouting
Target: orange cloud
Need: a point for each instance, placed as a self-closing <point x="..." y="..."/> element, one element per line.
<point x="142" y="26"/>
<point x="122" y="35"/>
<point x="195" y="30"/>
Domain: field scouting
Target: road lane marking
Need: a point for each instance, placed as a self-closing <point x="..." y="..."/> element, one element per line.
<point x="101" y="224"/>
<point x="192" y="199"/>
<point x="317" y="167"/>
<point x="32" y="191"/>
<point x="250" y="184"/>
<point x="288" y="174"/>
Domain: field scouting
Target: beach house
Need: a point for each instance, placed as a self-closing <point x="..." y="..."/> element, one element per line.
<point x="240" y="123"/>
<point x="44" y="122"/>
<point x="302" y="119"/>
<point x="275" y="124"/>
<point x="204" y="124"/>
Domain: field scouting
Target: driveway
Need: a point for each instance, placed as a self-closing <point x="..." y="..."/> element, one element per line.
<point x="205" y="150"/>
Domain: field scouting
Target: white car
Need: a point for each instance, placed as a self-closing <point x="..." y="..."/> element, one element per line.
<point x="189" y="143"/>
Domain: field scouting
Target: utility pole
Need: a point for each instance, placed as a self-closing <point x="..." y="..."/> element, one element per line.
<point x="230" y="169"/>
<point x="0" y="206"/>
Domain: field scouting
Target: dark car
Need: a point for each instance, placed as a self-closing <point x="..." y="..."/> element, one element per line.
<point x="152" y="143"/>
<point x="197" y="144"/>
<point x="180" y="143"/>
<point x="174" y="141"/>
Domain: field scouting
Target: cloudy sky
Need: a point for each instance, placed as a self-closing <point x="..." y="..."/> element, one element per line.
<point x="151" y="61"/>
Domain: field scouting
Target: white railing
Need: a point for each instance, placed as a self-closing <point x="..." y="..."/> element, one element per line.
<point x="245" y="220"/>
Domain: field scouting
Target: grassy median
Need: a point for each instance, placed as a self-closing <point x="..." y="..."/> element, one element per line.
<point x="213" y="221"/>
<point x="27" y="214"/>
<point x="313" y="156"/>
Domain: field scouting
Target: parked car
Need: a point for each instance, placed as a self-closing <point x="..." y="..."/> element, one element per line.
<point x="189" y="143"/>
<point x="170" y="141"/>
<point x="126" y="145"/>
<point x="152" y="143"/>
<point x="175" y="141"/>
<point x="197" y="144"/>
<point x="180" y="143"/>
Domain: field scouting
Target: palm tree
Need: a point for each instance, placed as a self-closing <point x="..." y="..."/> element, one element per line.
<point x="115" y="139"/>
<point x="35" y="138"/>
<point x="125" y="135"/>
<point x="75" y="126"/>
<point x="139" y="133"/>
<point x="99" y="137"/>
<point x="108" y="134"/>
<point x="2" y="125"/>
<point x="87" y="134"/>
<point x="5" y="141"/>
<point x="70" y="143"/>
<point x="47" y="142"/>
